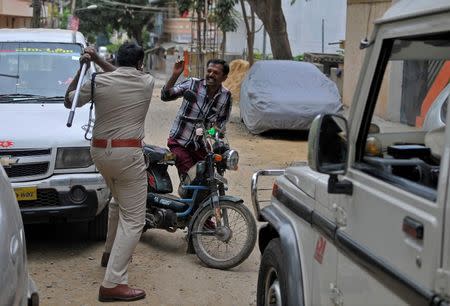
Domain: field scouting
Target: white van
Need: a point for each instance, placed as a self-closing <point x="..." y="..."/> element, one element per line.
<point x="49" y="165"/>
<point x="367" y="221"/>
<point x="18" y="287"/>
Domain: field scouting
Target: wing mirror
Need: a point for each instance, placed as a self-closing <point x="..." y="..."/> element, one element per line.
<point x="328" y="150"/>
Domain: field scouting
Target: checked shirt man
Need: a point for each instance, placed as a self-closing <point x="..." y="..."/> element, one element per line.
<point x="213" y="102"/>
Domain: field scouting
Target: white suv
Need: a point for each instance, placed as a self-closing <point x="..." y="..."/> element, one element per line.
<point x="49" y="165"/>
<point x="368" y="221"/>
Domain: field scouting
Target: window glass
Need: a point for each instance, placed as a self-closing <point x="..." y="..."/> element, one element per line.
<point x="37" y="68"/>
<point x="410" y="112"/>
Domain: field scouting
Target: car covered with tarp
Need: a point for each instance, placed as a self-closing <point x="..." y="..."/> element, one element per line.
<point x="286" y="95"/>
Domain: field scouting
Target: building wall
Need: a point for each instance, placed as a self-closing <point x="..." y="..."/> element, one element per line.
<point x="15" y="13"/>
<point x="360" y="17"/>
<point x="179" y="29"/>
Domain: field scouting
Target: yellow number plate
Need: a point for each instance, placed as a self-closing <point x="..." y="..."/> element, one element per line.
<point x="26" y="193"/>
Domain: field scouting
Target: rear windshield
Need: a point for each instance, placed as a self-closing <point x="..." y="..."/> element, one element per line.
<point x="44" y="69"/>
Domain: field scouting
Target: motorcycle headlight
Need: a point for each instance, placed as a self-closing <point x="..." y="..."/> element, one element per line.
<point x="232" y="159"/>
<point x="69" y="158"/>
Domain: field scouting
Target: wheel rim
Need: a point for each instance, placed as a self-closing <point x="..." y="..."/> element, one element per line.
<point x="227" y="241"/>
<point x="272" y="289"/>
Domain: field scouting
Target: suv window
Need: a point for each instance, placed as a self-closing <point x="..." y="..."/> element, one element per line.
<point x="411" y="75"/>
<point x="44" y="69"/>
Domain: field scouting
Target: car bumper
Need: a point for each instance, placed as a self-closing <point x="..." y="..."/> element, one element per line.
<point x="56" y="198"/>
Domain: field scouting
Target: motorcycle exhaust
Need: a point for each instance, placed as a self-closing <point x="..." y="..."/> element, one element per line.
<point x="155" y="200"/>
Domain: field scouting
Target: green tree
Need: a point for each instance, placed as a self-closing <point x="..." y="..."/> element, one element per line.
<point x="223" y="14"/>
<point x="227" y="19"/>
<point x="250" y="27"/>
<point x="108" y="17"/>
<point x="198" y="6"/>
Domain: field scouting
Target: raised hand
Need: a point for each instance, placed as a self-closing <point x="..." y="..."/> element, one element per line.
<point x="85" y="59"/>
<point x="91" y="51"/>
<point x="178" y="67"/>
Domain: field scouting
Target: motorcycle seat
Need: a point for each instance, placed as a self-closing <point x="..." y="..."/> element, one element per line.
<point x="157" y="154"/>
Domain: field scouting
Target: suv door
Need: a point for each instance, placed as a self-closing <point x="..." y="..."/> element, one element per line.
<point x="390" y="247"/>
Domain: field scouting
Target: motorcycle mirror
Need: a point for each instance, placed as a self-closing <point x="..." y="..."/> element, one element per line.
<point x="190" y="96"/>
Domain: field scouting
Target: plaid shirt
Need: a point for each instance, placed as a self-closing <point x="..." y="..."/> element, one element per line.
<point x="216" y="110"/>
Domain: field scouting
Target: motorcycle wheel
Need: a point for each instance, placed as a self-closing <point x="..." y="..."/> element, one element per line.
<point x="227" y="246"/>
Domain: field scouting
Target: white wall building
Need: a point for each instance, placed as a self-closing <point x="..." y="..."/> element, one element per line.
<point x="304" y="26"/>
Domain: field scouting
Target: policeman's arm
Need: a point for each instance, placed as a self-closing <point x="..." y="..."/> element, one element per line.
<point x="84" y="59"/>
<point x="72" y="87"/>
<point x="106" y="67"/>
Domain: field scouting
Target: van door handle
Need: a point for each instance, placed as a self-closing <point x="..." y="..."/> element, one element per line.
<point x="413" y="228"/>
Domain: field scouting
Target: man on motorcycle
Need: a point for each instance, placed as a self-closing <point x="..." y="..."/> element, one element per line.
<point x="213" y="103"/>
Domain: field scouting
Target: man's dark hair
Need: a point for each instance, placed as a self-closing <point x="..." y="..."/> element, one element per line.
<point x="129" y="54"/>
<point x="218" y="61"/>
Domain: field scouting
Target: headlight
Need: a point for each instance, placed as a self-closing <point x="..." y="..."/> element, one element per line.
<point x="67" y="158"/>
<point x="232" y="159"/>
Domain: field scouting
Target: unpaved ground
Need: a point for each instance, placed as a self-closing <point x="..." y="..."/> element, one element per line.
<point x="66" y="265"/>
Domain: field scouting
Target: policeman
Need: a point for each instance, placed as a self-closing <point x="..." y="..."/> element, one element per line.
<point x="121" y="97"/>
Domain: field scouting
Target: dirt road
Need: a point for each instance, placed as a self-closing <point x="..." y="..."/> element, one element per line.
<point x="66" y="265"/>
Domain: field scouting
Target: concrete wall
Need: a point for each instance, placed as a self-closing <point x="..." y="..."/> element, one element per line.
<point x="304" y="26"/>
<point x="179" y="29"/>
<point x="16" y="8"/>
<point x="360" y="17"/>
<point x="15" y="13"/>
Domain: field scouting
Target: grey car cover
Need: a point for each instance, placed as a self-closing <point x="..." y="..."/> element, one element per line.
<point x="288" y="95"/>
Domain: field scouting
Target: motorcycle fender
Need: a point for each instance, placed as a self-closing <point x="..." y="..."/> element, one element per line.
<point x="205" y="203"/>
<point x="233" y="199"/>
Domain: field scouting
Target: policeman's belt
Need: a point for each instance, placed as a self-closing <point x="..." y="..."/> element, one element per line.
<point x="103" y="143"/>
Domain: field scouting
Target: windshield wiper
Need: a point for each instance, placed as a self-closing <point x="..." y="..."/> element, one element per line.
<point x="9" y="76"/>
<point x="51" y="99"/>
<point x="19" y="97"/>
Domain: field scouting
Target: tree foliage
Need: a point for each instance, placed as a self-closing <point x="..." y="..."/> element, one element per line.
<point x="186" y="5"/>
<point x="227" y="16"/>
<point x="223" y="14"/>
<point x="107" y="18"/>
<point x="227" y="19"/>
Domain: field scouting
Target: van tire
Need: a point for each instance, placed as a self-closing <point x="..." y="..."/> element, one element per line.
<point x="98" y="228"/>
<point x="272" y="276"/>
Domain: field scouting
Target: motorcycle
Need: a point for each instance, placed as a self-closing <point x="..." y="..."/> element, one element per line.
<point x="221" y="230"/>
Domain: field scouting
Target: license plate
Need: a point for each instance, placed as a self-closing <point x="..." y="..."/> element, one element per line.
<point x="26" y="193"/>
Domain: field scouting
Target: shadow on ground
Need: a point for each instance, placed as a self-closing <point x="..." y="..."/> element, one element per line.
<point x="57" y="236"/>
<point x="286" y="135"/>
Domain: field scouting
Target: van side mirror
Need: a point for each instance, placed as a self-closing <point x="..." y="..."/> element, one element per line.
<point x="328" y="150"/>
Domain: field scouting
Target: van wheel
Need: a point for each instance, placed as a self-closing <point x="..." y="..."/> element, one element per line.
<point x="98" y="228"/>
<point x="272" y="276"/>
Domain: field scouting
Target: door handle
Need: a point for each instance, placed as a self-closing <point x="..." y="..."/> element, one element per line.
<point x="413" y="228"/>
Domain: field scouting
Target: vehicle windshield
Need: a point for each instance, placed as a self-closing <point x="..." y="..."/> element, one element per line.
<point x="33" y="68"/>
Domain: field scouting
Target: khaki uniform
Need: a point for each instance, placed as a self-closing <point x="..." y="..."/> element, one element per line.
<point x="121" y="99"/>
